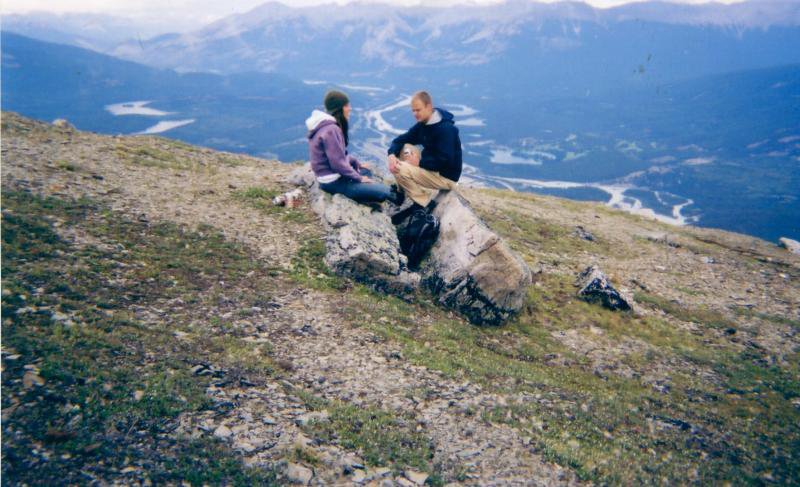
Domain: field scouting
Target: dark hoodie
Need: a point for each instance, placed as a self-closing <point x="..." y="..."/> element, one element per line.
<point x="441" y="146"/>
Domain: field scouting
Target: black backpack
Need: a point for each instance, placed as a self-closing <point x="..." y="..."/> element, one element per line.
<point x="417" y="235"/>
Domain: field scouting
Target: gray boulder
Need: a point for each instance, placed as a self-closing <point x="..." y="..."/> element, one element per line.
<point x="302" y="176"/>
<point x="792" y="246"/>
<point x="470" y="268"/>
<point x="596" y="287"/>
<point x="361" y="243"/>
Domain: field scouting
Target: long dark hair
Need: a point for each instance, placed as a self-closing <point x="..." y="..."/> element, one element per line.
<point x="338" y="114"/>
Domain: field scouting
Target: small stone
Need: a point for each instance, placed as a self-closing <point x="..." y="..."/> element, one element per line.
<point x="60" y="317"/>
<point x="138" y="395"/>
<point x="268" y="420"/>
<point x="223" y="432"/>
<point x="313" y="417"/>
<point x="244" y="446"/>
<point x="128" y="470"/>
<point x="468" y="454"/>
<point x="63" y="124"/>
<point x="662" y="238"/>
<point x="302" y="440"/>
<point x="404" y="482"/>
<point x="581" y="232"/>
<point x="196" y="369"/>
<point x="418" y="478"/>
<point x="380" y="473"/>
<point x="359" y="476"/>
<point x="31" y="379"/>
<point x="298" y="474"/>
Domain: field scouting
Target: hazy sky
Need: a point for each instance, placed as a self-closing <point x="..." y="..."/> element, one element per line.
<point x="181" y="14"/>
<point x="222" y="8"/>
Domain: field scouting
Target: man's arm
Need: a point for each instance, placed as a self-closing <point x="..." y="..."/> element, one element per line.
<point x="442" y="153"/>
<point x="410" y="137"/>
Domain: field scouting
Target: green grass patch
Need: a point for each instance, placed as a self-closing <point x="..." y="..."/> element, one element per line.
<point x="531" y="235"/>
<point x="382" y="438"/>
<point x="782" y="320"/>
<point x="66" y="166"/>
<point x="700" y="315"/>
<point x="608" y="428"/>
<point x="113" y="386"/>
<point x="148" y="156"/>
<point x="309" y="269"/>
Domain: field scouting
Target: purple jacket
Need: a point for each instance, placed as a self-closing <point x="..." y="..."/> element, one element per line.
<point x="326" y="149"/>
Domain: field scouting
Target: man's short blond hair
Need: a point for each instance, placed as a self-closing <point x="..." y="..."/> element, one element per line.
<point x="423" y="96"/>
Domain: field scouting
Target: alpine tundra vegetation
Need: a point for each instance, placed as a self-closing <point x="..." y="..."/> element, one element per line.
<point x="163" y="323"/>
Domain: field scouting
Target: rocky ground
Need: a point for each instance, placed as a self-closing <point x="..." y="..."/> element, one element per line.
<point x="222" y="336"/>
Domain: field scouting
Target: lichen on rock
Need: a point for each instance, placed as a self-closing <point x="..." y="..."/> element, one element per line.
<point x="469" y="269"/>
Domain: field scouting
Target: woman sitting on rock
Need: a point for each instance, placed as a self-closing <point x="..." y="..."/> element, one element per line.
<point x="336" y="170"/>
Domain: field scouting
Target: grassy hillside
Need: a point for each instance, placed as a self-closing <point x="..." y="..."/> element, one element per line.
<point x="162" y="322"/>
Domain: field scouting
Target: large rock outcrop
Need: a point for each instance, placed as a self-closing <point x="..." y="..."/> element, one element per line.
<point x="470" y="268"/>
<point x="361" y="243"/>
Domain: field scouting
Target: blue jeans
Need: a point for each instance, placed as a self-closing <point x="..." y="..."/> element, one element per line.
<point x="360" y="192"/>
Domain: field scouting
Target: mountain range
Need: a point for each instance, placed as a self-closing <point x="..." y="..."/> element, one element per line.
<point x="651" y="106"/>
<point x="244" y="112"/>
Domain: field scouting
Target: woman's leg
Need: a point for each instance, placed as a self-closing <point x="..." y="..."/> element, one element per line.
<point x="360" y="192"/>
<point x="367" y="192"/>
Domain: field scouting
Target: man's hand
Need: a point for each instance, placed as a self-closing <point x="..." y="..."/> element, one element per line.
<point x="393" y="163"/>
<point x="365" y="179"/>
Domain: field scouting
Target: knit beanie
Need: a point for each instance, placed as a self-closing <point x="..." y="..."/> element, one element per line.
<point x="335" y="100"/>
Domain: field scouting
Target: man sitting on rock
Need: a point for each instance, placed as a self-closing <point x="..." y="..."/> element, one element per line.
<point x="439" y="166"/>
